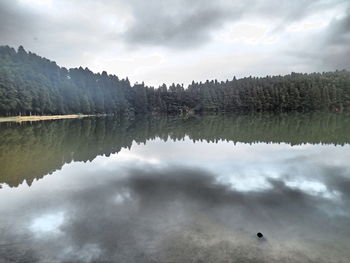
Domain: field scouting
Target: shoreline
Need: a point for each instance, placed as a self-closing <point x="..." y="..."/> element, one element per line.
<point x="42" y="118"/>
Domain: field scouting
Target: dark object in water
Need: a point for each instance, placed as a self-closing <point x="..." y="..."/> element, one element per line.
<point x="259" y="235"/>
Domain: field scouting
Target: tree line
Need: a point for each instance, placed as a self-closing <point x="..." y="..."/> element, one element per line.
<point x="32" y="85"/>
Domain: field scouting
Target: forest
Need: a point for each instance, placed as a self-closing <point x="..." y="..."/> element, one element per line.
<point x="33" y="85"/>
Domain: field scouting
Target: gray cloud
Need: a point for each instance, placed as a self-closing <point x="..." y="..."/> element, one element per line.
<point x="93" y="34"/>
<point x="176" y="23"/>
<point x="340" y="30"/>
<point x="336" y="45"/>
<point x="15" y="23"/>
<point x="183" y="23"/>
<point x="325" y="50"/>
<point x="68" y="33"/>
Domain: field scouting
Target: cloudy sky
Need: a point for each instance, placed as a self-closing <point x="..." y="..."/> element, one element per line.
<point x="165" y="41"/>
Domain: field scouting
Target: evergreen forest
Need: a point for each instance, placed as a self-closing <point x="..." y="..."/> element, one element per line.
<point x="33" y="85"/>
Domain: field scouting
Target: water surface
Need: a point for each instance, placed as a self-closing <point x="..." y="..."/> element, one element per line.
<point x="170" y="189"/>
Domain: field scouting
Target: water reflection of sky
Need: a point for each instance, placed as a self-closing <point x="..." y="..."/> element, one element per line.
<point x="175" y="201"/>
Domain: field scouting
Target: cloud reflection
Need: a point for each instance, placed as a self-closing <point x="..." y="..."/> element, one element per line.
<point x="179" y="213"/>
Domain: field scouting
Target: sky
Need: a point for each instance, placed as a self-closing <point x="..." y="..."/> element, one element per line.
<point x="166" y="41"/>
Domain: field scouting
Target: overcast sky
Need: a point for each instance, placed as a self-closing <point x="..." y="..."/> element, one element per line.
<point x="158" y="41"/>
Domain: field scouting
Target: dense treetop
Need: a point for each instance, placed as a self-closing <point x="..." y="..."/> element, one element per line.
<point x="30" y="84"/>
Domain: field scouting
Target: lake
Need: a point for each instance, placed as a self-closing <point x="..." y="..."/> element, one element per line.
<point x="176" y="189"/>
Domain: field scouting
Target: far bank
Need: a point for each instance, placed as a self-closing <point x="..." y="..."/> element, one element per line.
<point x="41" y="118"/>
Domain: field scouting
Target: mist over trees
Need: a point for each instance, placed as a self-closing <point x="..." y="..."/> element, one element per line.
<point x="32" y="85"/>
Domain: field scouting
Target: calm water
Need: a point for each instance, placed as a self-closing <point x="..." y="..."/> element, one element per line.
<point x="176" y="190"/>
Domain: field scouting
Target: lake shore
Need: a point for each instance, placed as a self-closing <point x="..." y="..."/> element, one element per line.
<point x="41" y="118"/>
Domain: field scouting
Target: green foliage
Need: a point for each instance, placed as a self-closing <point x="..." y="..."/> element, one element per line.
<point x="32" y="85"/>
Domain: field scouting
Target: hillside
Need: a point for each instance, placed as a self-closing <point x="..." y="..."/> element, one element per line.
<point x="32" y="85"/>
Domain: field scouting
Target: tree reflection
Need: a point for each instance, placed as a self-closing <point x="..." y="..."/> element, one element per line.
<point x="29" y="151"/>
